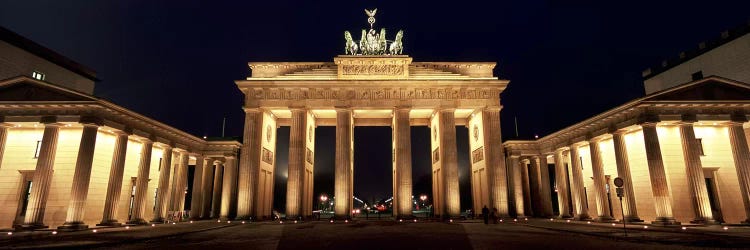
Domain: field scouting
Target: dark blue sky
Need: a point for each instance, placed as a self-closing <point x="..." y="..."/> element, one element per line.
<point x="175" y="61"/>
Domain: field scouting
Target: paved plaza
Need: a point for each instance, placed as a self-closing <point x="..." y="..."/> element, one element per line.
<point x="379" y="234"/>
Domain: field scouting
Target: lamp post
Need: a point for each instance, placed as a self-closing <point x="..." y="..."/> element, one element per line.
<point x="323" y="199"/>
<point x="423" y="198"/>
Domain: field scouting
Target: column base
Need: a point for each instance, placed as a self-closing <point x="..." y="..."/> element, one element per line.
<point x="138" y="222"/>
<point x="705" y="221"/>
<point x="665" y="221"/>
<point x="30" y="227"/>
<point x="632" y="219"/>
<point x="110" y="223"/>
<point x="746" y="221"/>
<point x="583" y="217"/>
<point x="158" y="220"/>
<point x="73" y="226"/>
<point x="239" y="218"/>
<point x="605" y="218"/>
<point x="565" y="216"/>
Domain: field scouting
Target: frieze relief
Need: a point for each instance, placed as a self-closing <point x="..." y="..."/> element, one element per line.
<point x="371" y="93"/>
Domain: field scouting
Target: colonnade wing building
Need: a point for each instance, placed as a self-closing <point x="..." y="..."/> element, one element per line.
<point x="72" y="160"/>
<point x="357" y="90"/>
<point x="682" y="150"/>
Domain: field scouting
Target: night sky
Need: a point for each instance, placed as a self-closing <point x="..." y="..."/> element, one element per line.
<point x="176" y="61"/>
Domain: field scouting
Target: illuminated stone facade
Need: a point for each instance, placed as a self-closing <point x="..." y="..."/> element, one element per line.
<point x="682" y="153"/>
<point x="357" y="91"/>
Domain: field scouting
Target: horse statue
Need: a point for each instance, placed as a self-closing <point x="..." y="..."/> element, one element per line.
<point x="363" y="42"/>
<point x="397" y="47"/>
<point x="351" y="46"/>
<point x="382" y="43"/>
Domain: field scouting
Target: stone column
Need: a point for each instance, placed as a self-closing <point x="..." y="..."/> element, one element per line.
<point x="162" y="194"/>
<point x="249" y="163"/>
<point x="561" y="182"/>
<point x="344" y="163"/>
<point x="296" y="163"/>
<point x="230" y="172"/>
<point x="402" y="138"/>
<point x="196" y="199"/>
<point x="526" y="189"/>
<point x="694" y="170"/>
<point x="114" y="185"/>
<point x="544" y="188"/>
<point x="659" y="187"/>
<point x="600" y="189"/>
<point x="495" y="160"/>
<point x="515" y="172"/>
<point x="207" y="192"/>
<point x="216" y="200"/>
<point x="577" y="187"/>
<point x="42" y="175"/>
<point x="82" y="175"/>
<point x="741" y="155"/>
<point x="141" y="186"/>
<point x="450" y="162"/>
<point x="534" y="184"/>
<point x="3" y="137"/>
<point x="232" y="161"/>
<point x="623" y="171"/>
<point x="181" y="187"/>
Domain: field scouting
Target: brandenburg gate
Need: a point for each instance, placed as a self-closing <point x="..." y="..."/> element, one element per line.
<point x="372" y="85"/>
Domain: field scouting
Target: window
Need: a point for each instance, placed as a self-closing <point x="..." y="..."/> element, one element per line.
<point x="38" y="149"/>
<point x="699" y="144"/>
<point x="697" y="75"/>
<point x="37" y="75"/>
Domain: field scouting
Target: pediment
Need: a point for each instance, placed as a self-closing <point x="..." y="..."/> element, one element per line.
<point x="709" y="89"/>
<point x="30" y="90"/>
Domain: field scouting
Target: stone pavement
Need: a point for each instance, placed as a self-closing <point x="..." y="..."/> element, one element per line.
<point x="363" y="234"/>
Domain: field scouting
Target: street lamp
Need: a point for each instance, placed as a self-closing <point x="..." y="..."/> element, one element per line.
<point x="423" y="198"/>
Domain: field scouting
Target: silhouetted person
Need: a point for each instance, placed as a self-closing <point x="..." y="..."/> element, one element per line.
<point x="486" y="214"/>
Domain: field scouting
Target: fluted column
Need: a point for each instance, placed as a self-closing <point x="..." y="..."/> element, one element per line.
<point x="526" y="189"/>
<point x="741" y="155"/>
<point x="114" y="185"/>
<point x="217" y="192"/>
<point x="623" y="171"/>
<point x="450" y="162"/>
<point x="561" y="184"/>
<point x="515" y="172"/>
<point x="208" y="185"/>
<point x="141" y="186"/>
<point x="694" y="170"/>
<point x="181" y="187"/>
<point x="657" y="175"/>
<point x="544" y="188"/>
<point x="577" y="187"/>
<point x="402" y="137"/>
<point x="230" y="174"/>
<point x="162" y="194"/>
<point x="600" y="189"/>
<point x="82" y="175"/>
<point x="249" y="163"/>
<point x="296" y="163"/>
<point x="3" y="138"/>
<point x="196" y="198"/>
<point x="344" y="163"/>
<point x="42" y="175"/>
<point x="534" y="184"/>
<point x="495" y="160"/>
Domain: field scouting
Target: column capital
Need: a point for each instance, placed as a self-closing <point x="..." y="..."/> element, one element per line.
<point x="297" y="108"/>
<point x="738" y="118"/>
<point x="91" y="121"/>
<point x="402" y="107"/>
<point x="50" y="121"/>
<point x="125" y="131"/>
<point x="7" y="125"/>
<point x="577" y="144"/>
<point x="648" y="120"/>
<point x="688" y="119"/>
<point x="560" y="150"/>
<point x="493" y="108"/>
<point x="343" y="108"/>
<point x="252" y="110"/>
